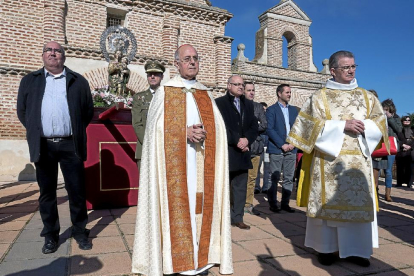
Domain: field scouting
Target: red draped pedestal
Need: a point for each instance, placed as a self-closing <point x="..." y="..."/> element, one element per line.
<point x="111" y="169"/>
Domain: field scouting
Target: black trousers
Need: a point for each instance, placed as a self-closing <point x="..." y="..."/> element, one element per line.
<point x="63" y="153"/>
<point x="238" y="189"/>
<point x="403" y="169"/>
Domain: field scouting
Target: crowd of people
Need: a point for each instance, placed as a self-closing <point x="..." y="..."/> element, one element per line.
<point x="199" y="160"/>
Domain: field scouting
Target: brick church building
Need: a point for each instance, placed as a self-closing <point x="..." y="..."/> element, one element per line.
<point x="159" y="26"/>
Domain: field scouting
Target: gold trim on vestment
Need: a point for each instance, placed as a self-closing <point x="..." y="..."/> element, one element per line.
<point x="325" y="103"/>
<point x="199" y="203"/>
<point x="308" y="143"/>
<point x="307" y="116"/>
<point x="322" y="168"/>
<point x="175" y="146"/>
<point x="205" y="108"/>
<point x="350" y="152"/>
<point x="336" y="219"/>
<point x="348" y="208"/>
<point x="366" y="101"/>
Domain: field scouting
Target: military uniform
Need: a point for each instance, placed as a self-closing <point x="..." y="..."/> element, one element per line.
<point x="140" y="105"/>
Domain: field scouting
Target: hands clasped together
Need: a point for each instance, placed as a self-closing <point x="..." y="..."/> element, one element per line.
<point x="196" y="133"/>
<point x="355" y="126"/>
<point x="243" y="144"/>
<point x="287" y="147"/>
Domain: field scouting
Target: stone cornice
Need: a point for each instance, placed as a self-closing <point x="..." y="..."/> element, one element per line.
<point x="90" y="53"/>
<point x="285" y="18"/>
<point x="178" y="7"/>
<point x="4" y="70"/>
<point x="223" y="39"/>
<point x="262" y="78"/>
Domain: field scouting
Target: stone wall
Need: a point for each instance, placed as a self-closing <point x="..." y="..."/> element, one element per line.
<point x="159" y="27"/>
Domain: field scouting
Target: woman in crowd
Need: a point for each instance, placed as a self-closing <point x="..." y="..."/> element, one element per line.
<point x="405" y="156"/>
<point x="394" y="127"/>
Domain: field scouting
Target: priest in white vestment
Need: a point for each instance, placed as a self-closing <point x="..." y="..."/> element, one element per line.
<point x="183" y="214"/>
<point x="338" y="128"/>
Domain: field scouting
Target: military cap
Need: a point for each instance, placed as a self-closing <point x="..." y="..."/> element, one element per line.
<point x="153" y="66"/>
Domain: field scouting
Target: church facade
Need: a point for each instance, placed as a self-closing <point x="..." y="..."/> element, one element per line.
<point x="159" y="27"/>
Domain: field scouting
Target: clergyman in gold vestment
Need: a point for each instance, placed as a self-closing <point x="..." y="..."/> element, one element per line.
<point x="183" y="215"/>
<point x="338" y="128"/>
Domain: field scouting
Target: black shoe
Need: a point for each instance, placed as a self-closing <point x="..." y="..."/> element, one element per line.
<point x="255" y="212"/>
<point x="50" y="246"/>
<point x="326" y="258"/>
<point x="359" y="261"/>
<point x="84" y="243"/>
<point x="256" y="192"/>
<point x="264" y="192"/>
<point x="274" y="209"/>
<point x="287" y="209"/>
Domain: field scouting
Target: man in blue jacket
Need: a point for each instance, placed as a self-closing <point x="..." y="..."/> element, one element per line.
<point x="55" y="106"/>
<point x="280" y="118"/>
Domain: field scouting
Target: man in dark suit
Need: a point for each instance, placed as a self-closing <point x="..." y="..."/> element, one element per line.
<point x="280" y="118"/>
<point x="55" y="106"/>
<point x="141" y="102"/>
<point x="242" y="130"/>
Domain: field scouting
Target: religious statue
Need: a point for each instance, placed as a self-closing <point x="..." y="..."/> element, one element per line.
<point x="120" y="43"/>
<point x="118" y="74"/>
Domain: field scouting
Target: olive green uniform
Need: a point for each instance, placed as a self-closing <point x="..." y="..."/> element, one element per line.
<point x="140" y="106"/>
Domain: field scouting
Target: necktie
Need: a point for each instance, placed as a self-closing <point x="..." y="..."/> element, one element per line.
<point x="237" y="103"/>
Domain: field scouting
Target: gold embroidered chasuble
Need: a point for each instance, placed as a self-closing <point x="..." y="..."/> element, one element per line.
<point x="164" y="235"/>
<point x="337" y="188"/>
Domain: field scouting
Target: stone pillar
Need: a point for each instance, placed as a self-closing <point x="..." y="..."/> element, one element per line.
<point x="274" y="51"/>
<point x="170" y="34"/>
<point x="54" y="21"/>
<point x="223" y="59"/>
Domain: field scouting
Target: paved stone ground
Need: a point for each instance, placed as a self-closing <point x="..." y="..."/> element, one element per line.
<point x="273" y="246"/>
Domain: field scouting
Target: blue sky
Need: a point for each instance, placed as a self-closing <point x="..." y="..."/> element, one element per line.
<point x="379" y="32"/>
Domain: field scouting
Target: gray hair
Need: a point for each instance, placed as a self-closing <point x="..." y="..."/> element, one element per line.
<point x="177" y="54"/>
<point x="333" y="60"/>
<point x="229" y="79"/>
<point x="61" y="47"/>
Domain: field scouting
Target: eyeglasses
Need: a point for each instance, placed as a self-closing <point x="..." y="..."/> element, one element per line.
<point x="407" y="120"/>
<point x="188" y="59"/>
<point x="50" y="50"/>
<point x="347" y="68"/>
<point x="238" y="84"/>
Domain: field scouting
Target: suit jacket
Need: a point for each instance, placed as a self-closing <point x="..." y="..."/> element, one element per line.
<point x="276" y="127"/>
<point x="140" y="105"/>
<point x="238" y="125"/>
<point x="29" y="105"/>
<point x="258" y="145"/>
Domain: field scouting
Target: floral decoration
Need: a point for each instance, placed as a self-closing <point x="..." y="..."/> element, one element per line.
<point x="102" y="97"/>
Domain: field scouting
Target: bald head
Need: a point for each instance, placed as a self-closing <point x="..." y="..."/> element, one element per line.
<point x="187" y="62"/>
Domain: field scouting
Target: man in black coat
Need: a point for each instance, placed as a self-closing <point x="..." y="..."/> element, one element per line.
<point x="55" y="106"/>
<point x="242" y="130"/>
